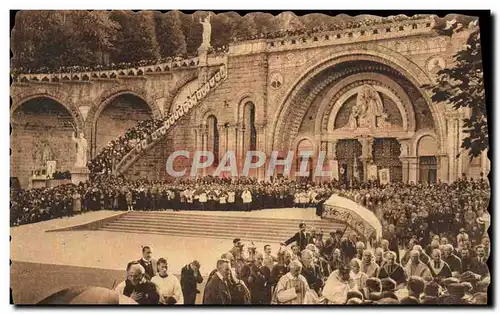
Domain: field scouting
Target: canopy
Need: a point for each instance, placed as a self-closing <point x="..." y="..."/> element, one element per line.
<point x="362" y="220"/>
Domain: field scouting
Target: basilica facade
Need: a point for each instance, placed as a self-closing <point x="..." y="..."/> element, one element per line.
<point x="362" y="96"/>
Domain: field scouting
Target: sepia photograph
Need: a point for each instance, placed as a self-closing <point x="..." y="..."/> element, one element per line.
<point x="250" y="158"/>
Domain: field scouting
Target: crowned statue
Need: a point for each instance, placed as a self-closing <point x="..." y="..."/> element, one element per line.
<point x="207" y="32"/>
<point x="81" y="151"/>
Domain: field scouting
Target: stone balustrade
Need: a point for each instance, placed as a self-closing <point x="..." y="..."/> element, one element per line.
<point x="134" y="72"/>
<point x="389" y="30"/>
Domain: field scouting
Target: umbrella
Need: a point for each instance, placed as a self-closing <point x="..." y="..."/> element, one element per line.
<point x="87" y="295"/>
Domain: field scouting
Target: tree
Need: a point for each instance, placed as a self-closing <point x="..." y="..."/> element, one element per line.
<point x="463" y="87"/>
<point x="193" y="31"/>
<point x="136" y="39"/>
<point x="169" y="33"/>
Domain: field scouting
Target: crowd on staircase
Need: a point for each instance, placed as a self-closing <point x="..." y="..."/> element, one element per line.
<point x="341" y="269"/>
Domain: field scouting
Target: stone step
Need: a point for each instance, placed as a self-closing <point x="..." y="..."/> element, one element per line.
<point x="272" y="230"/>
<point x="203" y="233"/>
<point x="170" y="215"/>
<point x="213" y="228"/>
<point x="248" y="224"/>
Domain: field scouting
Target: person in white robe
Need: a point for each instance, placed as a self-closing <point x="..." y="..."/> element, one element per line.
<point x="416" y="267"/>
<point x="292" y="287"/>
<point x="168" y="285"/>
<point x="337" y="286"/>
<point x="369" y="267"/>
<point x="357" y="277"/>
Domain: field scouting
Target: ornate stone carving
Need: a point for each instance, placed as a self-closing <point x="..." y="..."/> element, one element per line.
<point x="276" y="80"/>
<point x="435" y="64"/>
<point x="369" y="110"/>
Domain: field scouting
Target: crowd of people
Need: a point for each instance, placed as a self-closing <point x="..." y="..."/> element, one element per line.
<point x="102" y="67"/>
<point x="409" y="208"/>
<point x="115" y="150"/>
<point x="341" y="269"/>
<point x="329" y="28"/>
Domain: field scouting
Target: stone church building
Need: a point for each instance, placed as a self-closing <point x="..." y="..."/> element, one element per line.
<point x="361" y="95"/>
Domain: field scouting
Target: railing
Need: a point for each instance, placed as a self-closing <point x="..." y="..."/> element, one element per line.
<point x="108" y="74"/>
<point x="369" y="32"/>
<point x="180" y="110"/>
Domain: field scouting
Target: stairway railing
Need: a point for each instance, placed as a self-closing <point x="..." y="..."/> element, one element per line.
<point x="179" y="111"/>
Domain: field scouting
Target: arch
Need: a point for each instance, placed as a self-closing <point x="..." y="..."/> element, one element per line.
<point x="257" y="100"/>
<point x="65" y="101"/>
<point x="338" y="55"/>
<point x="418" y="136"/>
<point x="390" y="88"/>
<point x="303" y="139"/>
<point x="109" y="96"/>
<point x="177" y="87"/>
<point x="213" y="136"/>
<point x="206" y="114"/>
<point x="341" y="100"/>
<point x="248" y="124"/>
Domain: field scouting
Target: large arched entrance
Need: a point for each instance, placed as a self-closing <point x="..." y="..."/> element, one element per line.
<point x="117" y="116"/>
<point x="41" y="132"/>
<point x="362" y="111"/>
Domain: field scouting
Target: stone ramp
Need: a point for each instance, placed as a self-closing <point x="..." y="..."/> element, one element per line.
<point x="272" y="230"/>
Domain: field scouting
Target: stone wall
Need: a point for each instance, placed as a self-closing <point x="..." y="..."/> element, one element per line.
<point x="37" y="126"/>
<point x="121" y="114"/>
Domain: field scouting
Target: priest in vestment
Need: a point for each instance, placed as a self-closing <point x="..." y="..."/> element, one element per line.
<point x="292" y="287"/>
<point x="168" y="284"/>
<point x="337" y="286"/>
<point x="416" y="267"/>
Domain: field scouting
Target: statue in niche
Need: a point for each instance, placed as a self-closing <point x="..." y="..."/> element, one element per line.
<point x="368" y="112"/>
<point x="43" y="154"/>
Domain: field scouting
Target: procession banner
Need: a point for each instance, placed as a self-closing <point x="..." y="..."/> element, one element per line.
<point x="51" y="167"/>
<point x="334" y="168"/>
<point x="372" y="171"/>
<point x="384" y="176"/>
<point x="362" y="220"/>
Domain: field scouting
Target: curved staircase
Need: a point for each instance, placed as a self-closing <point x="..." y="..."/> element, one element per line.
<point x="269" y="230"/>
<point x="181" y="110"/>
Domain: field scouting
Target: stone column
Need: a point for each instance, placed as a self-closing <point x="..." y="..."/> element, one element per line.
<point x="240" y="150"/>
<point x="222" y="140"/>
<point x="403" y="156"/>
<point x="485" y="167"/>
<point x="261" y="146"/>
<point x="331" y="156"/>
<point x="412" y="169"/>
<point x="367" y="154"/>
<point x="458" y="128"/>
<point x="443" y="166"/>
<point x="204" y="144"/>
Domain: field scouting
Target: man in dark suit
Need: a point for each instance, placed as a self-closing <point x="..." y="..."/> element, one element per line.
<point x="138" y="287"/>
<point x="478" y="263"/>
<point x="147" y="262"/>
<point x="216" y="290"/>
<point x="301" y="238"/>
<point x="190" y="277"/>
<point x="452" y="260"/>
<point x="256" y="278"/>
<point x="349" y="248"/>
